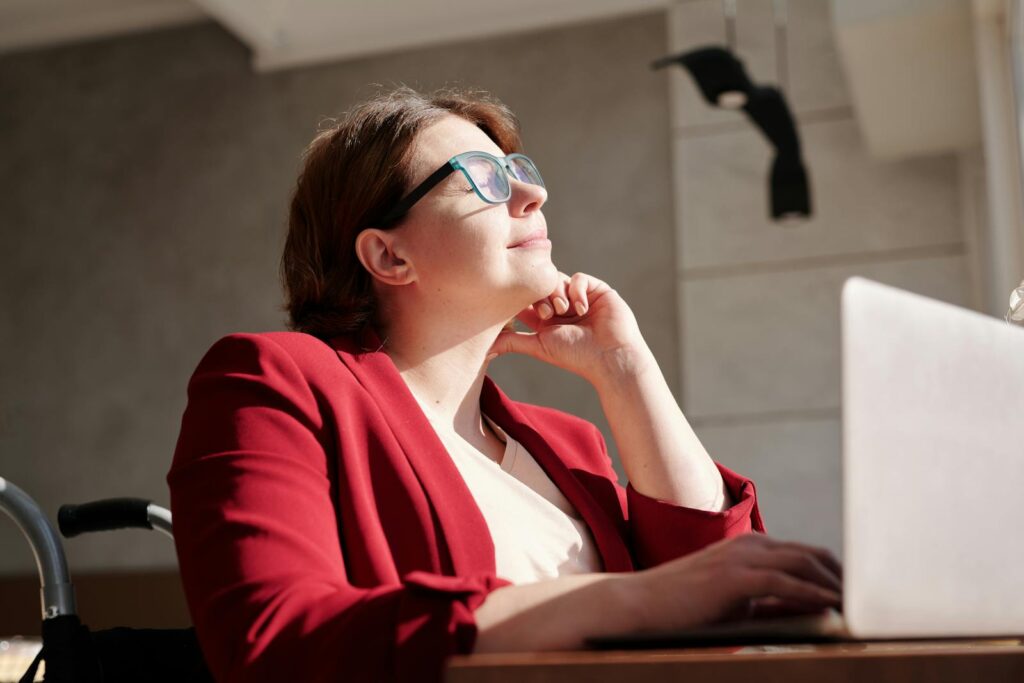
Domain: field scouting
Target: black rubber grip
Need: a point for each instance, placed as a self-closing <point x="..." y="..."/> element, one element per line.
<point x="103" y="515"/>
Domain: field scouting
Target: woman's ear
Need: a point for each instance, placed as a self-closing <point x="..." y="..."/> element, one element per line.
<point x="378" y="251"/>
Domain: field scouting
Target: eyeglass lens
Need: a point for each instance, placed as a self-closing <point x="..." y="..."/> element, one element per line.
<point x="524" y="171"/>
<point x="1016" y="311"/>
<point x="491" y="180"/>
<point x="488" y="178"/>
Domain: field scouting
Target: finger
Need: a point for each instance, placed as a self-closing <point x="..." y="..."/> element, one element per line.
<point x="772" y="607"/>
<point x="556" y="302"/>
<point x="578" y="293"/>
<point x="526" y="343"/>
<point x="560" y="297"/>
<point x="798" y="563"/>
<point x="544" y="309"/>
<point x="827" y="558"/>
<point x="824" y="555"/>
<point x="744" y="609"/>
<point x="761" y="583"/>
<point x="763" y="551"/>
<point x="530" y="317"/>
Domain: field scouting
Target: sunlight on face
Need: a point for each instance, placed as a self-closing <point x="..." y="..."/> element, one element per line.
<point x="467" y="254"/>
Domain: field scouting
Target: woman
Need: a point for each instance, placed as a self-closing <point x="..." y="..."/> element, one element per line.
<point x="343" y="500"/>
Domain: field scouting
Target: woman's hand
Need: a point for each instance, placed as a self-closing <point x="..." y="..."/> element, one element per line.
<point x="730" y="579"/>
<point x="583" y="326"/>
<point x="745" y="576"/>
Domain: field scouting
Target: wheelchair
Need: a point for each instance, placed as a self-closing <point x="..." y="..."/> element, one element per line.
<point x="71" y="652"/>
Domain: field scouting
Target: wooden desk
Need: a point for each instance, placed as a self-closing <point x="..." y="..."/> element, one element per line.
<point x="875" y="662"/>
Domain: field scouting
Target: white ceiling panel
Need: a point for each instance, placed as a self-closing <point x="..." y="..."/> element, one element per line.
<point x="31" y="24"/>
<point x="285" y="33"/>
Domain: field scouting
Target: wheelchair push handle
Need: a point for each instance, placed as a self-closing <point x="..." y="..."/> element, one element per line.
<point x="56" y="591"/>
<point x="113" y="513"/>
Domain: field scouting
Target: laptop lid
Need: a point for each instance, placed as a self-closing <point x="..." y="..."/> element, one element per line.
<point x="933" y="467"/>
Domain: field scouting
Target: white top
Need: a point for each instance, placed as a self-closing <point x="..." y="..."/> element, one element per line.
<point x="537" y="532"/>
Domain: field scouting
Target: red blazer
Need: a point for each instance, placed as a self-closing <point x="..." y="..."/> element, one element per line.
<point x="324" y="534"/>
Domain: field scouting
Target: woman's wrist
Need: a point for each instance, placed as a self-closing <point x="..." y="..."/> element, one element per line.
<point x="561" y="613"/>
<point x="631" y="591"/>
<point x="623" y="366"/>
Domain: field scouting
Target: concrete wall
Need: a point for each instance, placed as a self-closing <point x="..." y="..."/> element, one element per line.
<point x="143" y="190"/>
<point x="759" y="300"/>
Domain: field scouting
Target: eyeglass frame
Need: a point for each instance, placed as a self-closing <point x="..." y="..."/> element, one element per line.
<point x="455" y="164"/>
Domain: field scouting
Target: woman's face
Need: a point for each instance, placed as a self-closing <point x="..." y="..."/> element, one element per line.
<point x="465" y="252"/>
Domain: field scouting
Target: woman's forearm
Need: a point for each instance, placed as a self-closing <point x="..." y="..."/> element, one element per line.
<point x="660" y="452"/>
<point x="557" y="614"/>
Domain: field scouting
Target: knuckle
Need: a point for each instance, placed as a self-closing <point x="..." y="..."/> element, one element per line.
<point x="761" y="582"/>
<point x="734" y="580"/>
<point x="808" y="564"/>
<point x="752" y="540"/>
<point x="778" y="583"/>
<point x="740" y="573"/>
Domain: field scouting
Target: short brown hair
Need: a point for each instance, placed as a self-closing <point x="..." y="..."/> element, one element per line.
<point x="353" y="172"/>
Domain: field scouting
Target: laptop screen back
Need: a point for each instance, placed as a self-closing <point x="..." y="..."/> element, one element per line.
<point x="933" y="467"/>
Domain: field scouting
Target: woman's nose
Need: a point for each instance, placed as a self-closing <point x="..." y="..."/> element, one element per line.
<point x="526" y="198"/>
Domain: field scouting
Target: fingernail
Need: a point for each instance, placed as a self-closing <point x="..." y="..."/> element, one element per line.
<point x="544" y="311"/>
<point x="490" y="357"/>
<point x="561" y="305"/>
<point x="580" y="308"/>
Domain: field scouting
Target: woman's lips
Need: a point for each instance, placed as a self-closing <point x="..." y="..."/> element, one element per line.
<point x="539" y="242"/>
<point x="536" y="239"/>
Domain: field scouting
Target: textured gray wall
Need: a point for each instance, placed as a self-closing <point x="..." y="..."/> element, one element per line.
<point x="759" y="304"/>
<point x="143" y="190"/>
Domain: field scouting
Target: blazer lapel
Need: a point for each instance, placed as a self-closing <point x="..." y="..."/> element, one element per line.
<point x="501" y="409"/>
<point x="468" y="539"/>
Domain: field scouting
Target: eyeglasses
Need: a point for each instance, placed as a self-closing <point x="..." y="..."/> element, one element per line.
<point x="486" y="173"/>
<point x="1015" y="314"/>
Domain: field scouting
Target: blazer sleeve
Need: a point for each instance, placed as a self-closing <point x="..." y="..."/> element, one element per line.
<point x="258" y="541"/>
<point x="660" y="531"/>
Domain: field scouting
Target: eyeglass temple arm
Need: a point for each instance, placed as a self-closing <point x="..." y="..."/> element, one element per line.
<point x="399" y="209"/>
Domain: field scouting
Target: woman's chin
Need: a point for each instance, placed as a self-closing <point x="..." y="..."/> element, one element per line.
<point x="540" y="288"/>
<point x="537" y="284"/>
<point x="547" y="279"/>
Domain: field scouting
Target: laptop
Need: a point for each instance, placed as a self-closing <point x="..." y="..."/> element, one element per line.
<point x="933" y="481"/>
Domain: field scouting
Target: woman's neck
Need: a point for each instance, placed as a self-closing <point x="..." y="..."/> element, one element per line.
<point x="443" y="365"/>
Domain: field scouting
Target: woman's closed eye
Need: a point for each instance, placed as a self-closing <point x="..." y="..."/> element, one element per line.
<point x="457" y="186"/>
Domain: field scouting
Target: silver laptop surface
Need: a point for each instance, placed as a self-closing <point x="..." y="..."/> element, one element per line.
<point x="933" y="467"/>
<point x="933" y="479"/>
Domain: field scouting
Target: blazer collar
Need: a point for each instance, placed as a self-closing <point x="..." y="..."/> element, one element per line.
<point x="468" y="540"/>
